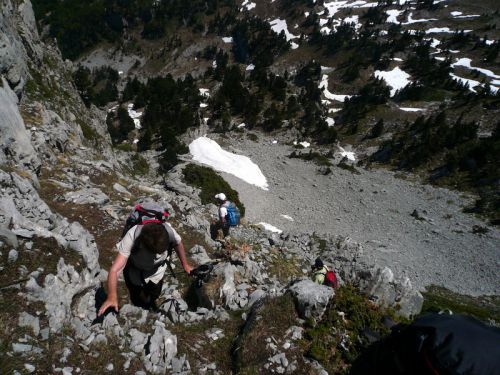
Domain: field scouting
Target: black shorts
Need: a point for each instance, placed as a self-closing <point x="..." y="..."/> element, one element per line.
<point x="145" y="295"/>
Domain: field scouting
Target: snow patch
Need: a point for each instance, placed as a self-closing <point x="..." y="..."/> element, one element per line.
<point x="396" y="78"/>
<point x="270" y="228"/>
<point x="207" y="151"/>
<point x="472" y="83"/>
<point x="349" y="154"/>
<point x="134" y="115"/>
<point x="323" y="85"/>
<point x="303" y="144"/>
<point x="289" y="218"/>
<point x="466" y="62"/>
<point x="411" y="109"/>
<point x="227" y="39"/>
<point x="393" y="15"/>
<point x="205" y="93"/>
<point x="442" y="30"/>
<point x="249" y="5"/>
<point x="279" y="25"/>
<point x="411" y="20"/>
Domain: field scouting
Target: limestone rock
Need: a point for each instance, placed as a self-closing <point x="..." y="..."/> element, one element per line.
<point x="87" y="196"/>
<point x="311" y="298"/>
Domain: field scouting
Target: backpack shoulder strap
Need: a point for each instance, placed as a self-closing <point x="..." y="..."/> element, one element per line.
<point x="171" y="237"/>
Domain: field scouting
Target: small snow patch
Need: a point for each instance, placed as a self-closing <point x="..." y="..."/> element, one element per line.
<point x="249" y="5"/>
<point x="279" y="25"/>
<point x="227" y="39"/>
<point x="472" y="83"/>
<point x="411" y="109"/>
<point x="270" y="227"/>
<point x="134" y="115"/>
<point x="443" y="30"/>
<point x="323" y="85"/>
<point x="303" y="144"/>
<point x="289" y="218"/>
<point x="349" y="154"/>
<point x="411" y="20"/>
<point x="396" y="78"/>
<point x="393" y="15"/>
<point x="466" y="62"/>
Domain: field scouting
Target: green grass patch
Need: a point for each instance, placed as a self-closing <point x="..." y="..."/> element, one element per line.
<point x="284" y="268"/>
<point x="253" y="137"/>
<point x="313" y="156"/>
<point x="272" y="319"/>
<point x="338" y="339"/>
<point x="210" y="184"/>
<point x="348" y="167"/>
<point x="208" y="351"/>
<point x="140" y="165"/>
<point x="127" y="147"/>
<point x="485" y="308"/>
<point x="89" y="133"/>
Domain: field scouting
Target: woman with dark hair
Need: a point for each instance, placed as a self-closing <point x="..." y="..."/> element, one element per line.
<point x="143" y="256"/>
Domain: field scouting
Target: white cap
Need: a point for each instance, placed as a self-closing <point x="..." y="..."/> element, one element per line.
<point x="221" y="196"/>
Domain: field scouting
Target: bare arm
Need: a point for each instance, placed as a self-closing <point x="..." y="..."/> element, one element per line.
<point x="179" y="249"/>
<point x="116" y="268"/>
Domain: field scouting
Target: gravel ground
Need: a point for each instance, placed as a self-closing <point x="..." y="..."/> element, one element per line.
<point x="374" y="209"/>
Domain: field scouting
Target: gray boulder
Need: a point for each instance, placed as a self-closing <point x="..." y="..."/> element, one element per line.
<point x="311" y="298"/>
<point x="199" y="255"/>
<point x="162" y="349"/>
<point x="8" y="237"/>
<point x="87" y="196"/>
<point x="30" y="321"/>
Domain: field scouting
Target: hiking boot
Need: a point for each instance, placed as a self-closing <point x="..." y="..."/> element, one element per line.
<point x="153" y="308"/>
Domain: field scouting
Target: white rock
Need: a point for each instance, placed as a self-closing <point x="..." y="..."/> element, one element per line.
<point x="13" y="255"/>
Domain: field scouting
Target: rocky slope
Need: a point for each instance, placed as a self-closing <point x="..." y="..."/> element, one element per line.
<point x="64" y="194"/>
<point x="418" y="230"/>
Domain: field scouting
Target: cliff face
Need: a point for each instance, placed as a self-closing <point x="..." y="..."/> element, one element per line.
<point x="37" y="133"/>
<point x="18" y="38"/>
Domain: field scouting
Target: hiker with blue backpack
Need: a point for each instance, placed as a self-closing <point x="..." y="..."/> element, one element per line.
<point x="144" y="254"/>
<point x="229" y="215"/>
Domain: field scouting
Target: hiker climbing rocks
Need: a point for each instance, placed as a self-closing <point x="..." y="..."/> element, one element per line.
<point x="322" y="275"/>
<point x="319" y="270"/>
<point x="229" y="216"/>
<point x="143" y="256"/>
<point x="223" y="220"/>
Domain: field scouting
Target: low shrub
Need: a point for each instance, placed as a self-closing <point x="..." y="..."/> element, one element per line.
<point x="339" y="338"/>
<point x="210" y="184"/>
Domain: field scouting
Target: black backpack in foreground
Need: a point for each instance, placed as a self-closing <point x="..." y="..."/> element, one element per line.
<point x="434" y="344"/>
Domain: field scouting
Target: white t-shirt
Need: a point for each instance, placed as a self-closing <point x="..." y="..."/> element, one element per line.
<point x="124" y="247"/>
<point x="223" y="210"/>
